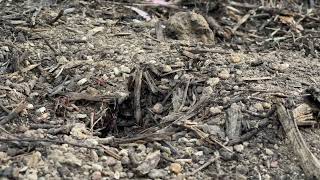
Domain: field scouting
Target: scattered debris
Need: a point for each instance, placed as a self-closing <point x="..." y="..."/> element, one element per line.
<point x="159" y="89"/>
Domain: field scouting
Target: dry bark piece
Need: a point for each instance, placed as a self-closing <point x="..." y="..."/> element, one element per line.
<point x="303" y="114"/>
<point x="15" y="113"/>
<point x="233" y="122"/>
<point x="159" y="31"/>
<point x="309" y="163"/>
<point x="215" y="26"/>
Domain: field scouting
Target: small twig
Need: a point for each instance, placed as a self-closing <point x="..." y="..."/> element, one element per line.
<point x="92" y="116"/>
<point x="43" y="126"/>
<point x="214" y="25"/>
<point x="145" y="137"/>
<point x="243" y="20"/>
<point x="171" y="72"/>
<point x="150" y="81"/>
<point x="46" y="140"/>
<point x="266" y="115"/>
<point x="111" y="153"/>
<point x="255" y="78"/>
<point x="14" y="113"/>
<point x="205" y="165"/>
<point x="249" y="134"/>
<point x="202" y="50"/>
<point x="71" y="41"/>
<point x="34" y="16"/>
<point x="57" y="17"/>
<point x="50" y="46"/>
<point x="209" y="138"/>
<point x="243" y="5"/>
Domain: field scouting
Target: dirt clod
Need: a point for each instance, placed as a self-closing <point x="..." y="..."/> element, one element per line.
<point x="189" y="26"/>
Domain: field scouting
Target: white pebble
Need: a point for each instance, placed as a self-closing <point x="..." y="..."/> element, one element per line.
<point x="213" y="81"/>
<point x="41" y="110"/>
<point x="224" y="74"/>
<point x="30" y="106"/>
<point x="124" y="69"/>
<point x="238" y="147"/>
<point x="166" y="68"/>
<point x="215" y="110"/>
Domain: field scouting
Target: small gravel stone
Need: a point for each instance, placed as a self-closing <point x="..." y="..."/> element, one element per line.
<point x="125" y="160"/>
<point x="241" y="177"/>
<point x="213" y="130"/>
<point x="31" y="174"/>
<point x="213" y="81"/>
<point x="97" y="167"/>
<point x="199" y="153"/>
<point x="179" y="64"/>
<point x="266" y="177"/>
<point x="130" y="174"/>
<point x="3" y="155"/>
<point x="227" y="156"/>
<point x="94" y="156"/>
<point x="109" y="161"/>
<point x="283" y="67"/>
<point x="215" y="110"/>
<point x="118" y="167"/>
<point x="242" y="169"/>
<point x="280" y="67"/>
<point x="274" y="164"/>
<point x="166" y="68"/>
<point x="207" y="91"/>
<point x="116" y="71"/>
<point x="150" y="162"/>
<point x="124" y="69"/>
<point x="80" y="131"/>
<point x="116" y="175"/>
<point x="224" y="74"/>
<point x="30" y="106"/>
<point x="266" y="105"/>
<point x="238" y="72"/>
<point x="259" y="107"/>
<point x="157" y="173"/>
<point x="246" y="144"/>
<point x="175" y="168"/>
<point x="157" y="108"/>
<point x="96" y="175"/>
<point x="269" y="152"/>
<point x="239" y="148"/>
<point x="41" y="110"/>
<point x="72" y="159"/>
<point x="81" y="116"/>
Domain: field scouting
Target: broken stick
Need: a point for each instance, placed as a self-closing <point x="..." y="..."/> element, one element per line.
<point x="137" y="96"/>
<point x="309" y="163"/>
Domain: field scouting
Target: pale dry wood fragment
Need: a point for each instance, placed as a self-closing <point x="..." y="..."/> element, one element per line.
<point x="309" y="163"/>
